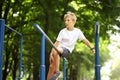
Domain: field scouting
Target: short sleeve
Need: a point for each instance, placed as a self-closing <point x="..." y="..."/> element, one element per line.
<point x="59" y="37"/>
<point x="81" y="35"/>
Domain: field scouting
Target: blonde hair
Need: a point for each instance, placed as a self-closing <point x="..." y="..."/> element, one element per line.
<point x="69" y="13"/>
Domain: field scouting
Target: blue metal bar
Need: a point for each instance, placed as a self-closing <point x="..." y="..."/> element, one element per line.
<point x="2" y="29"/>
<point x="13" y="30"/>
<point x="97" y="57"/>
<point x="21" y="67"/>
<point x="64" y="65"/>
<point x="42" y="67"/>
<point x="43" y="33"/>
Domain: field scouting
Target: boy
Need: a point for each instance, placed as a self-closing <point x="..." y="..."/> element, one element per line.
<point x="65" y="43"/>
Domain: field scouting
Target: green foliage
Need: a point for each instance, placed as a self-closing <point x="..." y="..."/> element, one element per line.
<point x="22" y="14"/>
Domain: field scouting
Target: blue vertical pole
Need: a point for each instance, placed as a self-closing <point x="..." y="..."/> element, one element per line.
<point x="64" y="72"/>
<point x="97" y="57"/>
<point x="2" y="29"/>
<point x="42" y="66"/>
<point x="21" y="75"/>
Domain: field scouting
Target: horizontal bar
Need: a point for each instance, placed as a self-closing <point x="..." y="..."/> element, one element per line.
<point x="13" y="30"/>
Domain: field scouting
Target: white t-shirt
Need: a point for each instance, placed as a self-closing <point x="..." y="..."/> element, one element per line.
<point x="68" y="38"/>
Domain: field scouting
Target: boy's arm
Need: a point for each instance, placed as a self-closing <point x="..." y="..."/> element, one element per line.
<point x="56" y="43"/>
<point x="51" y="54"/>
<point x="86" y="41"/>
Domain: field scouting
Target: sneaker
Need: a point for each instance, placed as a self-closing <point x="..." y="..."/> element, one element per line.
<point x="55" y="76"/>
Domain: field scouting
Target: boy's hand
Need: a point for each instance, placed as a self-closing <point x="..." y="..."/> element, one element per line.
<point x="93" y="50"/>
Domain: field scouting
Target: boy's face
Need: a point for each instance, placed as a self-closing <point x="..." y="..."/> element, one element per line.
<point x="69" y="22"/>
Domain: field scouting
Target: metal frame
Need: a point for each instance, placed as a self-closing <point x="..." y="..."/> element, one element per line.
<point x="2" y="30"/>
<point x="97" y="56"/>
<point x="21" y="39"/>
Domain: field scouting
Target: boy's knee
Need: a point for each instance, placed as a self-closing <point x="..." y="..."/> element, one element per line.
<point x="51" y="65"/>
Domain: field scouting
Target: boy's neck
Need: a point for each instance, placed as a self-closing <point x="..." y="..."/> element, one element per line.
<point x="70" y="28"/>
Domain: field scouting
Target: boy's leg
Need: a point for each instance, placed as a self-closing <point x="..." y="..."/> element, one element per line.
<point x="57" y="60"/>
<point x="57" y="63"/>
<point x="52" y="65"/>
<point x="54" y="73"/>
<point x="51" y="70"/>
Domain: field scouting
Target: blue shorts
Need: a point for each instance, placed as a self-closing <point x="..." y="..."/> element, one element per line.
<point x="65" y="53"/>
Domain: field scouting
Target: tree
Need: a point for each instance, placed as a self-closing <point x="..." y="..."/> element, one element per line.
<point x="21" y="15"/>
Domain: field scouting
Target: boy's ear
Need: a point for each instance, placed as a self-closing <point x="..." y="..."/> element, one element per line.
<point x="74" y="20"/>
